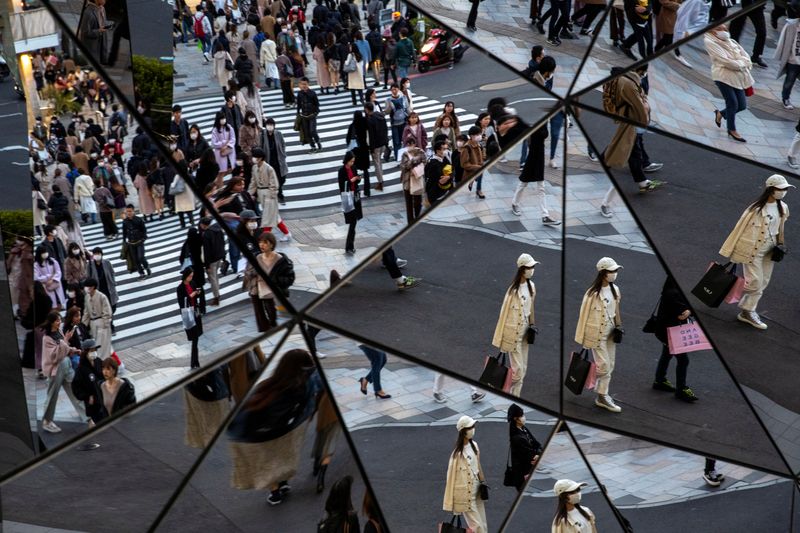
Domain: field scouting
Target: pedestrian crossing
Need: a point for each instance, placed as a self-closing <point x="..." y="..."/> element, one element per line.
<point x="312" y="180"/>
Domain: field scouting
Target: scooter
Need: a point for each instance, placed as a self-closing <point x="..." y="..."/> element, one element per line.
<point x="435" y="51"/>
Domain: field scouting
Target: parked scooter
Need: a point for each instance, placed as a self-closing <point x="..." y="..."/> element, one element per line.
<point x="437" y="52"/>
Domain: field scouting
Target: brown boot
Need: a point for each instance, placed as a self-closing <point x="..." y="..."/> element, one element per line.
<point x="379" y="187"/>
<point x="215" y="302"/>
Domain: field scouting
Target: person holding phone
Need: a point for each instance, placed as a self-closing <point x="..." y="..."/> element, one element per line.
<point x="348" y="183"/>
<point x="189" y="296"/>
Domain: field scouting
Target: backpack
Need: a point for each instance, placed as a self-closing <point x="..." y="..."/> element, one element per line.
<point x="198" y="27"/>
<point x="287" y="68"/>
<point x="528" y="72"/>
<point x="610" y="98"/>
<point x="398" y="109"/>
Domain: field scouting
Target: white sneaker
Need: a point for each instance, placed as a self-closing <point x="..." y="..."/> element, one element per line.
<point x="606" y="402"/>
<point x="438" y="397"/>
<point x="606" y="211"/>
<point x="553" y="163"/>
<point x="285" y="237"/>
<point x="515" y="210"/>
<point x="682" y="61"/>
<point x="788" y="105"/>
<point x="752" y="318"/>
<point x="792" y="162"/>
<point x="51" y="427"/>
<point x="321" y="355"/>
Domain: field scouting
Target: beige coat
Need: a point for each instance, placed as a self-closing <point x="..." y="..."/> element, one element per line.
<point x="569" y="527"/>
<point x="462" y="484"/>
<point x="184" y="202"/>
<point x="749" y="234"/>
<point x="593" y="320"/>
<point x="264" y="187"/>
<point x="222" y="75"/>
<point x="730" y="63"/>
<point x="512" y="324"/>
<point x="355" y="79"/>
<point x="665" y="21"/>
<point x="97" y="315"/>
<point x="629" y="91"/>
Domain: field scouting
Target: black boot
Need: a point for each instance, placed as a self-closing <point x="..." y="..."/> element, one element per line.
<point x="316" y="467"/>
<point x="321" y="478"/>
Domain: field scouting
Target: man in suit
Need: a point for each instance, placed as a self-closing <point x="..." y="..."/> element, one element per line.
<point x="378" y="134"/>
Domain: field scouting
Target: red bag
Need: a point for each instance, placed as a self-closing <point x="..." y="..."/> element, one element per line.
<point x="749" y="91"/>
<point x="736" y="292"/>
<point x="115" y="357"/>
<point x="687" y="338"/>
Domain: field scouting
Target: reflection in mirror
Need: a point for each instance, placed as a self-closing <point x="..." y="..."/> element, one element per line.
<point x="390" y="406"/>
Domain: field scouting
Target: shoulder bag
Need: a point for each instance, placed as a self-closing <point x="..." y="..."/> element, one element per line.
<point x="187" y="315"/>
<point x="652" y="323"/>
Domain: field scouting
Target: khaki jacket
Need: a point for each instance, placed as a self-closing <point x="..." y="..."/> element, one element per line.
<point x="511" y="325"/>
<point x="749" y="234"/>
<point x="629" y="91"/>
<point x="569" y="527"/>
<point x="462" y="485"/>
<point x="593" y="320"/>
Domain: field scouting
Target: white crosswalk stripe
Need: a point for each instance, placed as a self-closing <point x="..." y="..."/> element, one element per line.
<point x="150" y="305"/>
<point x="312" y="180"/>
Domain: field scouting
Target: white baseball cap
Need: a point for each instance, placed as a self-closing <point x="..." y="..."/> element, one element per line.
<point x="566" y="485"/>
<point x="607" y="263"/>
<point x="465" y="422"/>
<point x="778" y="181"/>
<point x="525" y="260"/>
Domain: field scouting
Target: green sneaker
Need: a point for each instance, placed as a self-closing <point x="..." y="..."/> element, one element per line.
<point x="653" y="185"/>
<point x="664" y="385"/>
<point x="409" y="283"/>
<point x="686" y="395"/>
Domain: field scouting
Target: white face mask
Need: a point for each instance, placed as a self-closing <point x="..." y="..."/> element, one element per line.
<point x="45" y="255"/>
<point x="252" y="225"/>
<point x="612" y="276"/>
<point x="223" y="122"/>
<point x="270" y="128"/>
<point x="92" y="356"/>
<point x="71" y="294"/>
<point x="193" y="136"/>
<point x="76" y="252"/>
<point x="521" y="419"/>
<point x="173" y="147"/>
<point x="233" y="99"/>
<point x="470" y="433"/>
<point x="140" y="110"/>
<point x="239" y="163"/>
<point x="529" y="273"/>
<point x="408" y="85"/>
<point x="574" y="498"/>
<point x="724" y="35"/>
<point x="252" y="120"/>
<point x="778" y="194"/>
<point x="97" y="257"/>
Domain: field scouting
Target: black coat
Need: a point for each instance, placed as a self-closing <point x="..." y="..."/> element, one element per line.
<point x="378" y="131"/>
<point x="524" y="447"/>
<point x="183" y="301"/>
<point x="282" y="274"/>
<point x="358" y="131"/>
<point x="213" y="244"/>
<point x="125" y="397"/>
<point x="533" y="170"/>
<point x="433" y="171"/>
<point x="344" y="185"/>
<point x="86" y="384"/>
<point x="672" y="304"/>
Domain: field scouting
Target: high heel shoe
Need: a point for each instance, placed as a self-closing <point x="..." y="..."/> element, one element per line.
<point x="321" y="478"/>
<point x="480" y="195"/>
<point x="383" y="396"/>
<point x="363" y="382"/>
<point x="718" y="118"/>
<point x="737" y="137"/>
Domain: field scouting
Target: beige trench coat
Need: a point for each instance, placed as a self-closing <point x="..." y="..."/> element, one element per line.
<point x="629" y="91"/>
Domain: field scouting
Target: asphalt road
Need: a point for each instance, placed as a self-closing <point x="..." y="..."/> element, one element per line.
<point x="122" y="485"/>
<point x="151" y="27"/>
<point x="15" y="187"/>
<point x="688" y="220"/>
<point x="449" y="321"/>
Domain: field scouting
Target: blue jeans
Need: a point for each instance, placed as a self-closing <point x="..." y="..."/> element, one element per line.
<point x="402" y="72"/>
<point x="188" y="32"/>
<point x="377" y="359"/>
<point x="397" y="138"/>
<point x="524" y="155"/>
<point x="206" y="40"/>
<point x="788" y="83"/>
<point x="233" y="250"/>
<point x="556" y="125"/>
<point x="735" y="101"/>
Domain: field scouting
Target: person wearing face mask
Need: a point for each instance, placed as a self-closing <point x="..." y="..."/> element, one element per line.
<point x="47" y="271"/>
<point x="461" y="140"/>
<point x="405" y="88"/>
<point x="264" y="186"/>
<point x="730" y="70"/>
<point x="753" y="243"/>
<point x="274" y="147"/>
<point x="179" y="127"/>
<point x="412" y="170"/>
<point x="516" y="317"/>
<point x="248" y="98"/>
<point x="571" y="516"/>
<point x="100" y="269"/>
<point x="56" y="365"/>
<point x="75" y="297"/>
<point x="524" y="449"/>
<point x="250" y="133"/>
<point x="97" y="316"/>
<point x="438" y="174"/>
<point x="195" y="147"/>
<point x="113" y="150"/>
<point x="75" y="266"/>
<point x="104" y="201"/>
<point x="472" y="160"/>
<point x="86" y="383"/>
<point x="464" y="478"/>
<point x="223" y="140"/>
<point x="598" y="320"/>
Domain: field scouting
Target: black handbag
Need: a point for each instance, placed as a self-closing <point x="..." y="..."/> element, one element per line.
<point x="483" y="491"/>
<point x="778" y="253"/>
<point x="651" y="326"/>
<point x="229" y="64"/>
<point x="508" y="477"/>
<point x="530" y="334"/>
<point x="578" y="371"/>
<point x="616" y="335"/>
<point x="716" y="284"/>
<point x="454" y="526"/>
<point x="496" y="371"/>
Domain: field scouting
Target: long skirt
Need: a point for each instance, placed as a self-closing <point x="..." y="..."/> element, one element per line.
<point x="260" y="465"/>
<point x="203" y="419"/>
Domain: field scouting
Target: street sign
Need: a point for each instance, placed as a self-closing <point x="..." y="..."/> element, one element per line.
<point x="385" y="17"/>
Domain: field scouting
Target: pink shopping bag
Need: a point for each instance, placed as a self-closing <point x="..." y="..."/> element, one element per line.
<point x="687" y="338"/>
<point x="591" y="377"/>
<point x="735" y="294"/>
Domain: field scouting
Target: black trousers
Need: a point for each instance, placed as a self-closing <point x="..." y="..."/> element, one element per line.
<point x="559" y="17"/>
<point x="638" y="159"/>
<point x="589" y="12"/>
<point x="350" y="243"/>
<point x="473" y="14"/>
<point x="682" y="362"/>
<point x="759" y="24"/>
<point x="109" y="228"/>
<point x="642" y="36"/>
<point x="413" y="206"/>
<point x="195" y="359"/>
<point x="617" y="28"/>
<point x="286" y="89"/>
<point x="183" y="215"/>
<point x="717" y="11"/>
<point x="389" y="260"/>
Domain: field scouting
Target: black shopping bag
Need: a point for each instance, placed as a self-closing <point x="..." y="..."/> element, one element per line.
<point x="454" y="526"/>
<point x="496" y="373"/>
<point x="716" y="284"/>
<point x="578" y="371"/>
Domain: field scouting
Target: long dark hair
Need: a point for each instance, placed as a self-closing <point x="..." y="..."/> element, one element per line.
<point x="597" y="284"/>
<point x="763" y="200"/>
<point x="291" y="373"/>
<point x="38" y="255"/>
<point x="219" y="116"/>
<point x="52" y="316"/>
<point x="519" y="277"/>
<point x="339" y="502"/>
<point x="561" y="510"/>
<point x="462" y="438"/>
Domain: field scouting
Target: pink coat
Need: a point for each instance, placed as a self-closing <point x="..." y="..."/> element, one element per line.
<point x="220" y="139"/>
<point x="44" y="272"/>
<point x="52" y="354"/>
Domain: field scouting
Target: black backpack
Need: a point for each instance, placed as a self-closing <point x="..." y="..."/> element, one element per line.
<point x="209" y="388"/>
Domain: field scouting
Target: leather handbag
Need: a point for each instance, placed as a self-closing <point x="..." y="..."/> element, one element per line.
<point x="454" y="526"/>
<point x="508" y="477"/>
<point x="578" y="371"/>
<point x="651" y="326"/>
<point x="778" y="253"/>
<point x="497" y="373"/>
<point x="617" y="334"/>
<point x="483" y="491"/>
<point x="715" y="284"/>
<point x="530" y="334"/>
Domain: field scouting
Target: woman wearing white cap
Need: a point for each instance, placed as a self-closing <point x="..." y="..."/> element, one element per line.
<point x="598" y="319"/>
<point x="752" y="242"/>
<point x="516" y="315"/>
<point x="571" y="516"/>
<point x="465" y="477"/>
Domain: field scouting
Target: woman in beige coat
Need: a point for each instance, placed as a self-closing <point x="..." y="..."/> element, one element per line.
<point x="730" y="70"/>
<point x="264" y="186"/>
<point x="355" y="79"/>
<point x="516" y="315"/>
<point x="598" y="319"/>
<point x="222" y="74"/>
<point x="184" y="201"/>
<point x="757" y="233"/>
<point x="571" y="516"/>
<point x="464" y="478"/>
<point x="323" y="74"/>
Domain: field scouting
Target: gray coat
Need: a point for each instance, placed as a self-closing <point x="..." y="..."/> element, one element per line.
<point x="280" y="144"/>
<point x="108" y="270"/>
<point x="90" y="33"/>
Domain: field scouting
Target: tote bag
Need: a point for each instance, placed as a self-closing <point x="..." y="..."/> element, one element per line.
<point x="736" y="292"/>
<point x="578" y="372"/>
<point x="187" y="317"/>
<point x="348" y="201"/>
<point x="715" y="284"/>
<point x="497" y="372"/>
<point x="687" y="338"/>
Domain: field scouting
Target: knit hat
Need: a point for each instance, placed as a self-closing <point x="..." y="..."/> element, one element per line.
<point x="514" y="411"/>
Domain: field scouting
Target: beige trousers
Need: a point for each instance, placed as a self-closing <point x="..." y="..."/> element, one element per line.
<point x="519" y="365"/>
<point x="604" y="357"/>
<point x="756" y="277"/>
